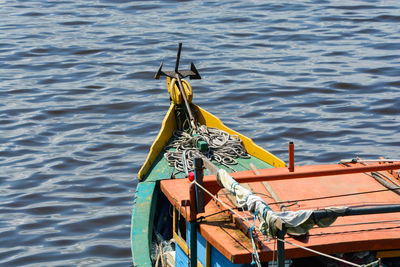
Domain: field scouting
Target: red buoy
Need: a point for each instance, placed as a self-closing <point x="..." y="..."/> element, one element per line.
<point x="191" y="176"/>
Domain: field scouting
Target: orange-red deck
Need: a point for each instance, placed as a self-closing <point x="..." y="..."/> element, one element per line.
<point x="347" y="234"/>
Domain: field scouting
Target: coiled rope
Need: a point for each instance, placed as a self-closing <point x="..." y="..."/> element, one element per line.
<point x="222" y="147"/>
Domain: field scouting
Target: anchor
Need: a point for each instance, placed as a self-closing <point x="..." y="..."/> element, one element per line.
<point x="178" y="75"/>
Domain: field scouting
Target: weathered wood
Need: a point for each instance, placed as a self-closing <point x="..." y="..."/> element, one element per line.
<point x="274" y="195"/>
<point x="305" y="172"/>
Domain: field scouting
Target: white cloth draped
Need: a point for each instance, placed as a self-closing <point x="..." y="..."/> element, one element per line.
<point x="296" y="222"/>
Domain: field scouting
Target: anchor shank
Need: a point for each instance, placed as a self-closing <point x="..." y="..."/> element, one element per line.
<point x="192" y="120"/>
<point x="178" y="57"/>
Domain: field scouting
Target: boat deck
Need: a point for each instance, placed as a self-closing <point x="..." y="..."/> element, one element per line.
<point x="227" y="233"/>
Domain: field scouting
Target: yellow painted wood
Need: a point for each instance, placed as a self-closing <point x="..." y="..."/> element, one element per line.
<point x="208" y="254"/>
<point x="182" y="243"/>
<point x="167" y="128"/>
<point x="208" y="119"/>
<point x="388" y="254"/>
<point x="174" y="221"/>
<point x="184" y="247"/>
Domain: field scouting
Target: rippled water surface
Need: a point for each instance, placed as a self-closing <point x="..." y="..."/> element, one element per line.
<point x="79" y="107"/>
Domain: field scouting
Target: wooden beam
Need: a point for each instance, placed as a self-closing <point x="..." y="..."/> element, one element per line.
<point x="304" y="172"/>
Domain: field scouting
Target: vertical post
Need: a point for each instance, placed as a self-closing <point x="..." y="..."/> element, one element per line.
<point x="178" y="57"/>
<point x="291" y="157"/>
<point x="193" y="227"/>
<point x="196" y="206"/>
<point x="281" y="246"/>
<point x="198" y="174"/>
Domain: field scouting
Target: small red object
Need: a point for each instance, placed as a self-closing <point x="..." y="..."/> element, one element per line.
<point x="191" y="176"/>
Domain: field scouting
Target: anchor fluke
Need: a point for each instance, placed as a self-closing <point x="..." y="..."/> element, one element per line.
<point x="192" y="73"/>
<point x="159" y="72"/>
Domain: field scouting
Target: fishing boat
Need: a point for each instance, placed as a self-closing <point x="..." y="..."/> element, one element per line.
<point x="209" y="196"/>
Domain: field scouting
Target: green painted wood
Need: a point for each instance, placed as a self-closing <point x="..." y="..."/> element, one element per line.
<point x="142" y="222"/>
<point x="159" y="170"/>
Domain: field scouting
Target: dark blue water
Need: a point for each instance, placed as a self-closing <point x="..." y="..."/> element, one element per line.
<point x="79" y="108"/>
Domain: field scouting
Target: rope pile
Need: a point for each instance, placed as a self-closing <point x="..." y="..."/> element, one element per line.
<point x="222" y="147"/>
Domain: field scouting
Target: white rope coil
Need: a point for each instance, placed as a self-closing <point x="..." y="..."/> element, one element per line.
<point x="222" y="147"/>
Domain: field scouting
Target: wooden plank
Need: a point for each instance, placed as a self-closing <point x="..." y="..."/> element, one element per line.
<point x="388" y="254"/>
<point x="274" y="195"/>
<point x="306" y="172"/>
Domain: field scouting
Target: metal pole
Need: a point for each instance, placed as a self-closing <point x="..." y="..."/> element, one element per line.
<point x="198" y="175"/>
<point x="317" y="214"/>
<point x="193" y="244"/>
<point x="178" y="57"/>
<point x="281" y="246"/>
<point x="183" y="93"/>
<point x="193" y="227"/>
<point x="291" y="157"/>
<point x="178" y="78"/>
